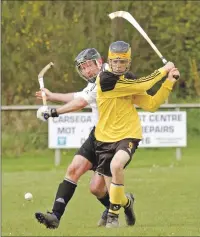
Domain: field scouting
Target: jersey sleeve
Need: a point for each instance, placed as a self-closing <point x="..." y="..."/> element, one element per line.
<point x="116" y="86"/>
<point x="128" y="87"/>
<point x="152" y="103"/>
<point x="88" y="93"/>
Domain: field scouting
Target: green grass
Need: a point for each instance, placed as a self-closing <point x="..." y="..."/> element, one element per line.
<point x="167" y="195"/>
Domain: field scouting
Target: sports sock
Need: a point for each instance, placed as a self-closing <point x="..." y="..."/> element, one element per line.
<point x="125" y="202"/>
<point x="116" y="194"/>
<point x="105" y="200"/>
<point x="65" y="192"/>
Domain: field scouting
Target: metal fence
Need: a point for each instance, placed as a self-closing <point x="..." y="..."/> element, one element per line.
<point x="35" y="107"/>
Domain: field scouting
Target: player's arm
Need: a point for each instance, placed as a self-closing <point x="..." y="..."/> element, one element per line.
<point x="62" y="97"/>
<point x="74" y="105"/>
<point x="44" y="112"/>
<point x="81" y="100"/>
<point x="125" y="87"/>
<point x="129" y="87"/>
<point x="55" y="97"/>
<point x="152" y="103"/>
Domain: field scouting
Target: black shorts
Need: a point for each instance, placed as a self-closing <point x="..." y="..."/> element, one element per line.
<point x="87" y="150"/>
<point x="105" y="151"/>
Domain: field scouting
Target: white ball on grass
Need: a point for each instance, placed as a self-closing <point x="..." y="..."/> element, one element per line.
<point x="28" y="196"/>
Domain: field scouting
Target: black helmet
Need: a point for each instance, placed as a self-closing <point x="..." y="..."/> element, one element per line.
<point x="119" y="55"/>
<point x="86" y="56"/>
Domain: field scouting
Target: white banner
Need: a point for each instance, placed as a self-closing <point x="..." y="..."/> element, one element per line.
<point x="160" y="129"/>
<point x="69" y="130"/>
<point x="164" y="129"/>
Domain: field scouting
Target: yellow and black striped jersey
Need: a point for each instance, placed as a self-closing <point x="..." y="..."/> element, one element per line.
<point x="118" y="118"/>
<point x="151" y="103"/>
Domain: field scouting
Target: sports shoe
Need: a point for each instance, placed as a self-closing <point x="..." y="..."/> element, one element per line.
<point x="112" y="220"/>
<point x="103" y="220"/>
<point x="48" y="219"/>
<point x="129" y="212"/>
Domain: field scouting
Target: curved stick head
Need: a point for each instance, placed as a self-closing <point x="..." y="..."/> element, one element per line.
<point x="113" y="15"/>
<point x="41" y="82"/>
<point x="45" y="69"/>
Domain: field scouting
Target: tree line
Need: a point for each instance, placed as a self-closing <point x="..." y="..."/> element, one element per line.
<point x="37" y="32"/>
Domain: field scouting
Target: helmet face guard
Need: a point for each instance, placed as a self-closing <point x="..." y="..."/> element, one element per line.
<point x="119" y="57"/>
<point x="88" y="64"/>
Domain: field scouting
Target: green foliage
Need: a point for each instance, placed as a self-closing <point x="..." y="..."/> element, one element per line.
<point x="37" y="32"/>
<point x="195" y="75"/>
<point x="21" y="132"/>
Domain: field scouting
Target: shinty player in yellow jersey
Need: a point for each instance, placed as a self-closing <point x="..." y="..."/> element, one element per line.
<point x="118" y="131"/>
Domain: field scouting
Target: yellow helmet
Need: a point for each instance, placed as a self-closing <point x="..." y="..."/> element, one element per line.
<point x="119" y="57"/>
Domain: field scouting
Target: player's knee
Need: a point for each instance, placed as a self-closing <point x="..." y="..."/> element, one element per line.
<point x="116" y="166"/>
<point x="97" y="186"/>
<point x="78" y="167"/>
<point x="94" y="189"/>
<point x="74" y="172"/>
<point x="97" y="190"/>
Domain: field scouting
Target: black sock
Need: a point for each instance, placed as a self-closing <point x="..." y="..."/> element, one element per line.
<point x="64" y="194"/>
<point x="105" y="200"/>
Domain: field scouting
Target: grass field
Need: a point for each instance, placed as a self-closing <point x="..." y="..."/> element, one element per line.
<point x="167" y="195"/>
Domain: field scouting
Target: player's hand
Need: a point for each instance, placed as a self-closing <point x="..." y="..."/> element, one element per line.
<point x="48" y="94"/>
<point x="174" y="72"/>
<point x="168" y="66"/>
<point x="43" y="113"/>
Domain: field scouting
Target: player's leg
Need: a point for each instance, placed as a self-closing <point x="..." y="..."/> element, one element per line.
<point x="97" y="185"/>
<point x="79" y="166"/>
<point x="105" y="153"/>
<point x="82" y="162"/>
<point x="65" y="192"/>
<point x="118" y="198"/>
<point x="108" y="181"/>
<point x="117" y="195"/>
<point x="98" y="188"/>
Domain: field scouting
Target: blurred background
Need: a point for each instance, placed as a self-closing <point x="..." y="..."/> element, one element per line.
<point x="34" y="33"/>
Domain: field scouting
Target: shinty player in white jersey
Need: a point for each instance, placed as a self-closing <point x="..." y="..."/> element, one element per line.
<point x="88" y="64"/>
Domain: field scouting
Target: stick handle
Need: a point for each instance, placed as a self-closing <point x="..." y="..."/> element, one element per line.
<point x="165" y="61"/>
<point x="41" y="82"/>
